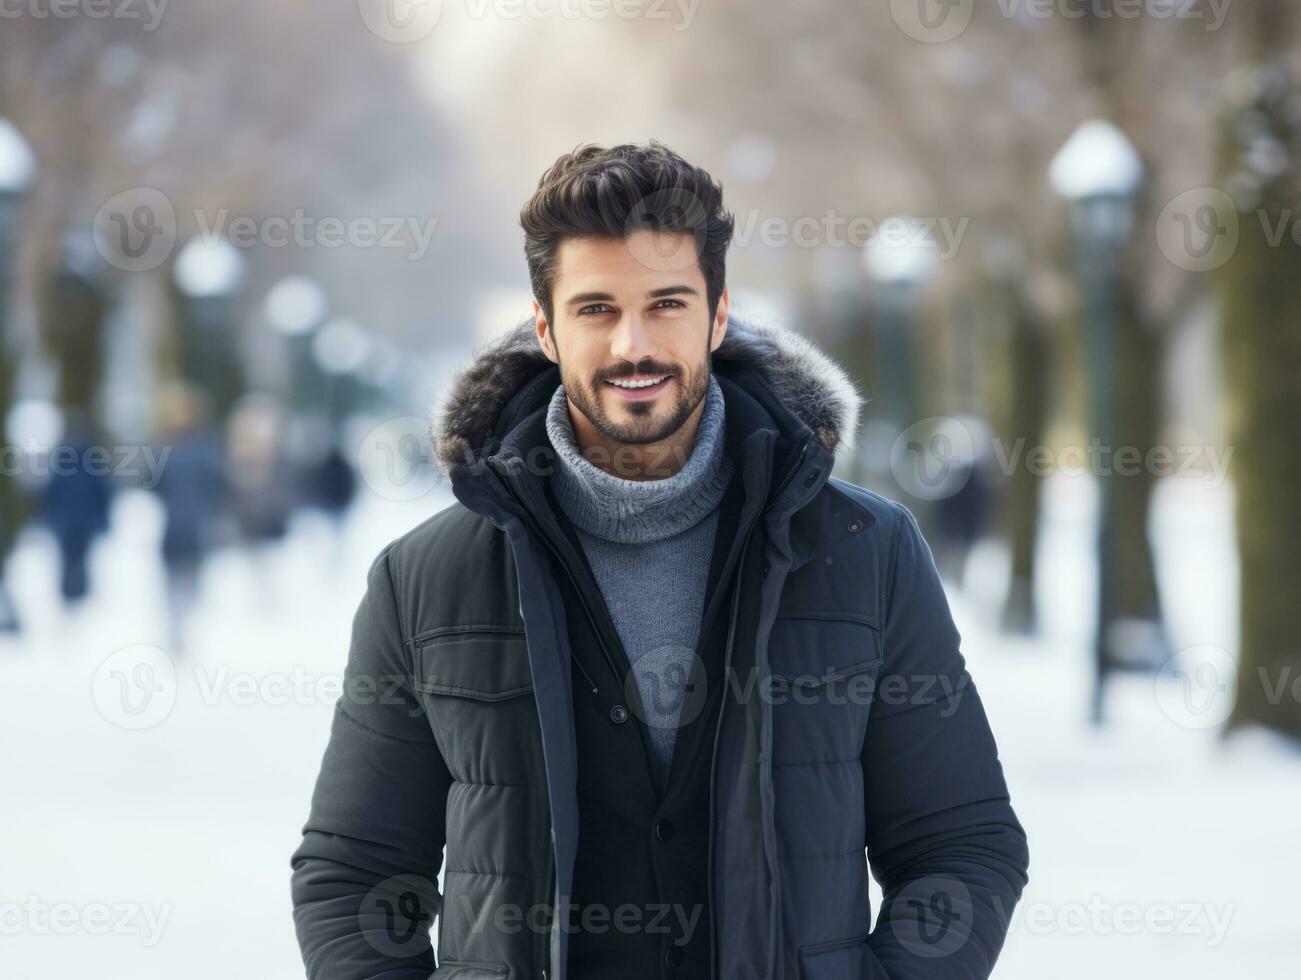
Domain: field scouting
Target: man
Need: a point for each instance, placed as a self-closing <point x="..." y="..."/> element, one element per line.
<point x="657" y="680"/>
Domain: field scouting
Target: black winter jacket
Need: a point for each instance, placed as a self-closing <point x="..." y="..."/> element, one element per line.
<point x="849" y="734"/>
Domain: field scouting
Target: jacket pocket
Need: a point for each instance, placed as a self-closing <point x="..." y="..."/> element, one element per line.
<point x="475" y="686"/>
<point x="824" y="678"/>
<point x="481" y="663"/>
<point x="840" y="959"/>
<point x="810" y="649"/>
<point x="463" y="970"/>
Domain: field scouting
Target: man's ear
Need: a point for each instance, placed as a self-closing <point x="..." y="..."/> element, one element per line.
<point x="719" y="330"/>
<point x="545" y="340"/>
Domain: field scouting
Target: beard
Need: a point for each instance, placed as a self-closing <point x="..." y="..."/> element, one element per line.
<point x="641" y="423"/>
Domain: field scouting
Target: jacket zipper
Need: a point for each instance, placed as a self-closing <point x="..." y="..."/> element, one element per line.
<point x="713" y="760"/>
<point x="790" y="474"/>
<point x="718" y="725"/>
<point x="548" y="899"/>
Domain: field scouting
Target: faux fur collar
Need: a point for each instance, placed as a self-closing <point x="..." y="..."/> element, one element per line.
<point x="803" y="378"/>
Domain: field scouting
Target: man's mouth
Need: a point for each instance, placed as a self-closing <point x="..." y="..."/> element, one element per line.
<point x="639" y="386"/>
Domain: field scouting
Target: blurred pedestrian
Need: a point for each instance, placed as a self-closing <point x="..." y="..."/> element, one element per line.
<point x="962" y="516"/>
<point x="192" y="487"/>
<point x="333" y="483"/>
<point x="75" y="503"/>
<point x="261" y="480"/>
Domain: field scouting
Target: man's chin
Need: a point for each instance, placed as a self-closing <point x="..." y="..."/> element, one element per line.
<point x="637" y="434"/>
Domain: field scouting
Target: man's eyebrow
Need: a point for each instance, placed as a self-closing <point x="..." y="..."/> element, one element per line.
<point x="589" y="298"/>
<point x="660" y="293"/>
<point x="673" y="291"/>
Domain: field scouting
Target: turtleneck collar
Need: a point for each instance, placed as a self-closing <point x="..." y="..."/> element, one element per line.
<point x="639" y="511"/>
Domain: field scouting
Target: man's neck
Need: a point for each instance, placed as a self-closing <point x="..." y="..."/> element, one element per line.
<point x="603" y="501"/>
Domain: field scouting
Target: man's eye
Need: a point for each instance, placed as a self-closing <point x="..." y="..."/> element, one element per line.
<point x="594" y="306"/>
<point x="674" y="302"/>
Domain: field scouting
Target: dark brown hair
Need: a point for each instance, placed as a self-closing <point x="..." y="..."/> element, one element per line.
<point x="617" y="191"/>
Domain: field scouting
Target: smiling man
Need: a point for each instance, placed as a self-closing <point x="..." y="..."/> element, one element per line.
<point x="657" y="691"/>
<point x="635" y="384"/>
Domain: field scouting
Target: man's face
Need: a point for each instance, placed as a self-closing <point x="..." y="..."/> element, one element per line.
<point x="632" y="332"/>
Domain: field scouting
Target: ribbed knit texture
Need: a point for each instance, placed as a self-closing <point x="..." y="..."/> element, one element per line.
<point x="649" y="543"/>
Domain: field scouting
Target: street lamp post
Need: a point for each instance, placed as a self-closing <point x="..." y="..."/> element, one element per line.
<point x="379" y="375"/>
<point x="74" y="308"/>
<point x="1099" y="173"/>
<point x="339" y="352"/>
<point x="295" y="307"/>
<point x="900" y="260"/>
<point x="208" y="276"/>
<point x="17" y="171"/>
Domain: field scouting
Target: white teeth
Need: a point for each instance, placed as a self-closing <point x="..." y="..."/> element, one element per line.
<point x="639" y="384"/>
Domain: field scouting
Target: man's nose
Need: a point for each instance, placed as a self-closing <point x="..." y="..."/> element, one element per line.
<point x="630" y="340"/>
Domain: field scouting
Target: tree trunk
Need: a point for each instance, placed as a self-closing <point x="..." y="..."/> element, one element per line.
<point x="1260" y="293"/>
<point x="1137" y="417"/>
<point x="1026" y="424"/>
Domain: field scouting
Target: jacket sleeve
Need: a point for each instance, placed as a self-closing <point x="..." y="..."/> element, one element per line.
<point x="942" y="838"/>
<point x="364" y="880"/>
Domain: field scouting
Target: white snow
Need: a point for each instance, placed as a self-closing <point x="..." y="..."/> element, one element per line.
<point x="1156" y="851"/>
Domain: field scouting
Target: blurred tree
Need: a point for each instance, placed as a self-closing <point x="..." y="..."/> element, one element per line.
<point x="1022" y="418"/>
<point x="1260" y="296"/>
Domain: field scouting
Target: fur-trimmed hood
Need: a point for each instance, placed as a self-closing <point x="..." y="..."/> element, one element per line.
<point x="808" y="382"/>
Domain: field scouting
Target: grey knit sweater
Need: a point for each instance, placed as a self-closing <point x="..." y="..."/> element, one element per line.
<point x="650" y="543"/>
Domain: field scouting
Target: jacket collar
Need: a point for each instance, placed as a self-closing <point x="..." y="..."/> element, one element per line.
<point x="808" y="397"/>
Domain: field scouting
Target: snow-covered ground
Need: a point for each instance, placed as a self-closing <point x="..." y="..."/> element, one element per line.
<point x="149" y="840"/>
